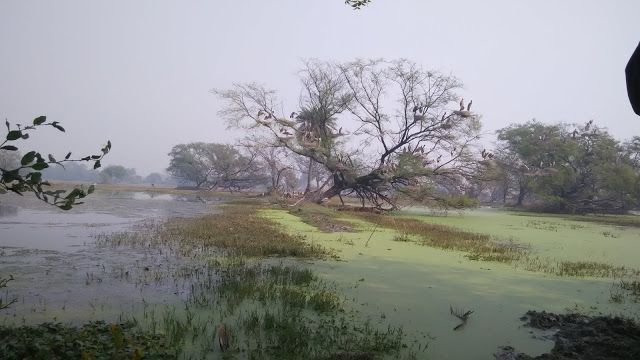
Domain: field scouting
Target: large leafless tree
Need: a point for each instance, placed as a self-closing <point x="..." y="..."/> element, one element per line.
<point x="408" y="128"/>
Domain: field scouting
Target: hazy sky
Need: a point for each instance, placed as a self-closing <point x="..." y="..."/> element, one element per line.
<point x="138" y="73"/>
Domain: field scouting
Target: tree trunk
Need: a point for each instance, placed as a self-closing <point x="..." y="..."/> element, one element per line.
<point x="331" y="192"/>
<point x="306" y="191"/>
<point x="521" y="196"/>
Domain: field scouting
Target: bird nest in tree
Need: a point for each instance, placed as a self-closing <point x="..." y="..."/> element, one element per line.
<point x="285" y="122"/>
<point x="308" y="144"/>
<point x="463" y="113"/>
<point x="488" y="163"/>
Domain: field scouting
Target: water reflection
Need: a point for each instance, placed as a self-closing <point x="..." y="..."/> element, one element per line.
<point x="166" y="197"/>
<point x="8" y="210"/>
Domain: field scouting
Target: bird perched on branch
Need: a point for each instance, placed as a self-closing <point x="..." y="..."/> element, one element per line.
<point x="292" y="115"/>
<point x="462" y="104"/>
<point x="469" y="106"/>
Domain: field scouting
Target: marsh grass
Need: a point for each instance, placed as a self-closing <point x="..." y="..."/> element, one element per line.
<point x="616" y="220"/>
<point x="478" y="246"/>
<point x="240" y="269"/>
<point x="321" y="217"/>
<point x="577" y="268"/>
<point x="282" y="334"/>
<point x="483" y="247"/>
<point x="542" y="225"/>
<point x="633" y="287"/>
<point x="403" y="237"/>
<point x="235" y="229"/>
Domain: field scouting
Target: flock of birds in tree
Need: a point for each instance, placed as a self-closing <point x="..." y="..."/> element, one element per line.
<point x="287" y="128"/>
<point x="310" y="139"/>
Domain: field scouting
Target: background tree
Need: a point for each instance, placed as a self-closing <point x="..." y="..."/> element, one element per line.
<point x="406" y="137"/>
<point x="113" y="174"/>
<point x="26" y="176"/>
<point x="525" y="149"/>
<point x="273" y="160"/>
<point x="570" y="167"/>
<point x="214" y="165"/>
<point x="71" y="172"/>
<point x="153" y="178"/>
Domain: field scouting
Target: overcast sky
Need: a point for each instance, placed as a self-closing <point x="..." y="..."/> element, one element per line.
<point x="138" y="73"/>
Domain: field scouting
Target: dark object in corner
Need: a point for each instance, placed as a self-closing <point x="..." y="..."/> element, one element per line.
<point x="632" y="72"/>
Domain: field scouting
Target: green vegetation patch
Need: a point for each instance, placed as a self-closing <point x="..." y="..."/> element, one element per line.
<point x="479" y="246"/>
<point x="94" y="340"/>
<point x="237" y="229"/>
<point x="268" y="308"/>
<point x="321" y="217"/>
<point x="615" y="220"/>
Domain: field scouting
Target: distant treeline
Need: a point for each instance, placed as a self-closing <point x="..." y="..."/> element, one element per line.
<point x="109" y="174"/>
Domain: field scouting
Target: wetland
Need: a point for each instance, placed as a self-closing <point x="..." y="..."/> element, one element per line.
<point x="186" y="275"/>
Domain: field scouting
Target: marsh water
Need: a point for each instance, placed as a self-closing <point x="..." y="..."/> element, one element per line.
<point x="62" y="275"/>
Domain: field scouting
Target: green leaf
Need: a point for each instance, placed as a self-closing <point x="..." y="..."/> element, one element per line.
<point x="39" y="166"/>
<point x="14" y="135"/>
<point x="10" y="176"/>
<point x="3" y="191"/>
<point x="59" y="128"/>
<point x="51" y="158"/>
<point x="36" y="177"/>
<point x="39" y="120"/>
<point x="95" y="157"/>
<point x="65" y="207"/>
<point x="68" y="156"/>
<point x="97" y="164"/>
<point x="92" y="188"/>
<point x="25" y="136"/>
<point x="74" y="193"/>
<point x="9" y="148"/>
<point x="28" y="158"/>
<point x="7" y="123"/>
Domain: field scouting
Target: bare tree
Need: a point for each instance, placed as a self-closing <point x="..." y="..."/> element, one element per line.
<point x="404" y="138"/>
<point x="273" y="159"/>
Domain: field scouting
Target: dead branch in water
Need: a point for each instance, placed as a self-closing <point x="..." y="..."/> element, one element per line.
<point x="462" y="315"/>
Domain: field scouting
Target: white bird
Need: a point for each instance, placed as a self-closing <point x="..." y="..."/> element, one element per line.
<point x="462" y="104"/>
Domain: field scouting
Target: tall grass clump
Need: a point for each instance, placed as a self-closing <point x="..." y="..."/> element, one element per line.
<point x="235" y="229"/>
<point x="478" y="246"/>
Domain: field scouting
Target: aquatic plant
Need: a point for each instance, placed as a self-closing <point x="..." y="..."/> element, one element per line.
<point x="478" y="246"/>
<point x="236" y="229"/>
<point x="94" y="340"/>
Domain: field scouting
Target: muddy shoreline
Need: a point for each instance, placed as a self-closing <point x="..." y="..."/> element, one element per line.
<point x="579" y="336"/>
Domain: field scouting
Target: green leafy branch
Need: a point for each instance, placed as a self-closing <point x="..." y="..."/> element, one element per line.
<point x="28" y="177"/>
<point x="357" y="4"/>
